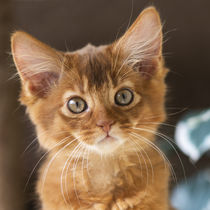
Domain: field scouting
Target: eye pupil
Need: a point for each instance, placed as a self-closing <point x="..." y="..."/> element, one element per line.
<point x="76" y="105"/>
<point x="124" y="97"/>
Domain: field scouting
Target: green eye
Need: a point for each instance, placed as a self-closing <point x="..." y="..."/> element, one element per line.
<point x="124" y="97"/>
<point x="77" y="105"/>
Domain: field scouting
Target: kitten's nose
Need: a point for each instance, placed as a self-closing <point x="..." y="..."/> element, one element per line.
<point x="105" y="125"/>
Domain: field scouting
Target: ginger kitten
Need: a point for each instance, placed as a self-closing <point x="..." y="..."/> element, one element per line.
<point x="96" y="111"/>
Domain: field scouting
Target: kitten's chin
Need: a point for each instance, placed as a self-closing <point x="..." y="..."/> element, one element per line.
<point x="107" y="144"/>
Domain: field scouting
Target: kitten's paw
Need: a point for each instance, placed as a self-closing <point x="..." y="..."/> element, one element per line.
<point x="123" y="205"/>
<point x="120" y="205"/>
<point x="127" y="203"/>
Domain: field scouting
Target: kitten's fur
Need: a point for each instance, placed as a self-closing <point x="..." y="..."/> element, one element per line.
<point x="83" y="171"/>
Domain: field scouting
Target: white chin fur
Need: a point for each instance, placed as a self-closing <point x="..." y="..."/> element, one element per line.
<point x="107" y="145"/>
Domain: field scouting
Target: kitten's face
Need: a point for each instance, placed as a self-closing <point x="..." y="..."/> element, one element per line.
<point x="97" y="98"/>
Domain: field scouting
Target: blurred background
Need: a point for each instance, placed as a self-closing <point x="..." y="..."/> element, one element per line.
<point x="71" y="24"/>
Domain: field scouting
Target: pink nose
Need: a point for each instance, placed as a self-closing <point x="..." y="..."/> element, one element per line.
<point x="105" y="125"/>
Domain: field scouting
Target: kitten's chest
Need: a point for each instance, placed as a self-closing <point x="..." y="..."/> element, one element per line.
<point x="104" y="175"/>
<point x="98" y="181"/>
<point x="95" y="175"/>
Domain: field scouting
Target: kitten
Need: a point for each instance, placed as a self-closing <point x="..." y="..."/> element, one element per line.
<point x="96" y="111"/>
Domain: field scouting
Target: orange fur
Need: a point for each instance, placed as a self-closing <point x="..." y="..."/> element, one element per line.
<point x="83" y="171"/>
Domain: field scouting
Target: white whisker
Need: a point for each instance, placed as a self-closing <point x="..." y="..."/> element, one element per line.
<point x="83" y="165"/>
<point x="168" y="140"/>
<point x="147" y="158"/>
<point x="53" y="158"/>
<point x="38" y="162"/>
<point x="70" y="158"/>
<point x="74" y="171"/>
<point x="147" y="170"/>
<point x="149" y="143"/>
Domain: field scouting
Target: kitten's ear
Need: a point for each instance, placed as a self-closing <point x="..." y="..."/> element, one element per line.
<point x="38" y="65"/>
<point x="141" y="45"/>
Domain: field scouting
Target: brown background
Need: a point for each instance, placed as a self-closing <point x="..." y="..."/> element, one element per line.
<point x="73" y="23"/>
<point x="70" y="24"/>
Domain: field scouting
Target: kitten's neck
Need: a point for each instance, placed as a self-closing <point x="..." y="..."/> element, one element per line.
<point x="105" y="172"/>
<point x="103" y="176"/>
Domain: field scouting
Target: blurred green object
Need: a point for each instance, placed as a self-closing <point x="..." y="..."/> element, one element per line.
<point x="193" y="134"/>
<point x="193" y="194"/>
<point x="193" y="138"/>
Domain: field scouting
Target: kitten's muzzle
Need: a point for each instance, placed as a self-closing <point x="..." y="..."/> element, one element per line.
<point x="105" y="125"/>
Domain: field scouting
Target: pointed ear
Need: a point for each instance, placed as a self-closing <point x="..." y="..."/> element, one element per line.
<point x="38" y="65"/>
<point x="141" y="45"/>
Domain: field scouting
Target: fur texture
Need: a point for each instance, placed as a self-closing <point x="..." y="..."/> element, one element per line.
<point x="103" y="158"/>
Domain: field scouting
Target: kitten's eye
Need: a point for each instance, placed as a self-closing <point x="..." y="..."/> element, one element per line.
<point x="77" y="105"/>
<point x="124" y="97"/>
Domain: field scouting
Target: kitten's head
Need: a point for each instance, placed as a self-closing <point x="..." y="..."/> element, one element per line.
<point x="101" y="98"/>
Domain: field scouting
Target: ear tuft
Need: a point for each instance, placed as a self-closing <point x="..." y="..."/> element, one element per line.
<point x="142" y="43"/>
<point x="38" y="65"/>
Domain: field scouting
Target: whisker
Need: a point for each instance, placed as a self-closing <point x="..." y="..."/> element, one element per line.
<point x="87" y="163"/>
<point x="38" y="162"/>
<point x="26" y="149"/>
<point x="169" y="141"/>
<point x="61" y="184"/>
<point x="76" y="149"/>
<point x="35" y="140"/>
<point x="139" y="159"/>
<point x="62" y="173"/>
<point x="149" y="143"/>
<point x="147" y="158"/>
<point x="53" y="158"/>
<point x="74" y="171"/>
<point x="83" y="165"/>
<point x="169" y="114"/>
<point x="147" y="170"/>
<point x="157" y="123"/>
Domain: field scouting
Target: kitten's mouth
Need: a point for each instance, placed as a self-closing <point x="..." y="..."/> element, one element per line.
<point x="107" y="139"/>
<point x="107" y="144"/>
